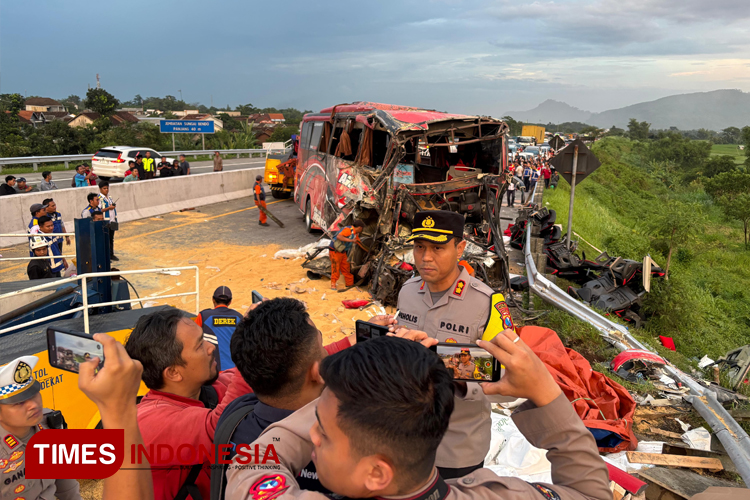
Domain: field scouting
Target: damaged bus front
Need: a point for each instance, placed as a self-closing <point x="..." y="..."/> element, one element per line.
<point x="382" y="163"/>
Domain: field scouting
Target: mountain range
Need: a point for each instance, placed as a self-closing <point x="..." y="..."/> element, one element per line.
<point x="715" y="110"/>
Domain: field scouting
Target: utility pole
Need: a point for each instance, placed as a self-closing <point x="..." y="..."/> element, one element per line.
<point x="180" y="91"/>
<point x="572" y="198"/>
<point x="98" y="84"/>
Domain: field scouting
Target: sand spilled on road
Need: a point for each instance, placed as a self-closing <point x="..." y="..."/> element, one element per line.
<point x="243" y="269"/>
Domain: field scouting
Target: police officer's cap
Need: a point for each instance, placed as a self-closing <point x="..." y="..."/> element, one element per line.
<point x="17" y="382"/>
<point x="437" y="226"/>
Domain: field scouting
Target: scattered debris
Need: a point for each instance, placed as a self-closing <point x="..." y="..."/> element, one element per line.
<point x="272" y="286"/>
<point x="667" y="342"/>
<point x="704" y="362"/>
<point x="302" y="252"/>
<point x="171" y="273"/>
<point x="680" y="483"/>
<point x="675" y="460"/>
<point x="214" y="268"/>
<point x="195" y="261"/>
<point x="297" y="289"/>
<point x="659" y="432"/>
<point x="685" y="427"/>
<point x="356" y="303"/>
<point x="699" y="439"/>
<point x="323" y="297"/>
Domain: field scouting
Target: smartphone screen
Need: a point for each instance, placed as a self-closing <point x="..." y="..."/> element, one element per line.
<point x="67" y="350"/>
<point x="257" y="297"/>
<point x="469" y="363"/>
<point x="367" y="331"/>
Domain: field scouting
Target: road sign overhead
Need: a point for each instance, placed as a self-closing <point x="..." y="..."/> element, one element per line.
<point x="186" y="126"/>
<point x="563" y="161"/>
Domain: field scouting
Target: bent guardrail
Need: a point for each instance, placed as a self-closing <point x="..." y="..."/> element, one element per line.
<point x="731" y="435"/>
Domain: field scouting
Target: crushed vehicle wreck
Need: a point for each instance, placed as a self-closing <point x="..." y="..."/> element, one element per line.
<point x="382" y="164"/>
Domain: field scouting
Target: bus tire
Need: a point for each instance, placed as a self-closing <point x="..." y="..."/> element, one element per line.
<point x="308" y="217"/>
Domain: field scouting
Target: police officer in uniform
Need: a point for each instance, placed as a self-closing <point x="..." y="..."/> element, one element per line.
<point x="447" y="303"/>
<point x="219" y="324"/>
<point x="21" y="416"/>
<point x="465" y="365"/>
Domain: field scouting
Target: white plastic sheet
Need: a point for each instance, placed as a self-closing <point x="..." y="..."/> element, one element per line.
<point x="512" y="455"/>
<point x="698" y="438"/>
<point x="301" y="252"/>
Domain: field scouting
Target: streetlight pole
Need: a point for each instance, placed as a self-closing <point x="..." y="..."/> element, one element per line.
<point x="180" y="91"/>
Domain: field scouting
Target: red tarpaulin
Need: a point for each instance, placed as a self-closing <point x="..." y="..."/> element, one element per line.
<point x="605" y="406"/>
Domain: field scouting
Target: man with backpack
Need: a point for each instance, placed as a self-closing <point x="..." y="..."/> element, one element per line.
<point x="338" y="251"/>
<point x="186" y="398"/>
<point x="277" y="349"/>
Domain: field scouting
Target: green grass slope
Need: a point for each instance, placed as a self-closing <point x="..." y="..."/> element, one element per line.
<point x="705" y="305"/>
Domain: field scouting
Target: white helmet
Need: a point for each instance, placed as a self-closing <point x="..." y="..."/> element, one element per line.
<point x="38" y="242"/>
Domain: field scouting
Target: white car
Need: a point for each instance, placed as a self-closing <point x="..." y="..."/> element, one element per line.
<point x="112" y="162"/>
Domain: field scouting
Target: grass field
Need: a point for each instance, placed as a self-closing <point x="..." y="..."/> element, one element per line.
<point x="729" y="150"/>
<point x="705" y="305"/>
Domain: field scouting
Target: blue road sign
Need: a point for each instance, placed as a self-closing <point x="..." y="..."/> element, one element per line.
<point x="186" y="126"/>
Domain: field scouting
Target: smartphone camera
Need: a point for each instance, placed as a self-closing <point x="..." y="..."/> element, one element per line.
<point x="68" y="349"/>
<point x="469" y="363"/>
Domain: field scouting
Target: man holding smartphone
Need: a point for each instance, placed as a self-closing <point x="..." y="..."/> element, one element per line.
<point x="22" y="416"/>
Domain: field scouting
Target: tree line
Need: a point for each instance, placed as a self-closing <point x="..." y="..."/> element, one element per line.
<point x="57" y="138"/>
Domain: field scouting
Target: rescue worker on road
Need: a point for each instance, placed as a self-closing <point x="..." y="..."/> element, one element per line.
<point x="22" y="416"/>
<point x="260" y="200"/>
<point x="149" y="166"/>
<point x="447" y="303"/>
<point x="219" y="324"/>
<point x="338" y="251"/>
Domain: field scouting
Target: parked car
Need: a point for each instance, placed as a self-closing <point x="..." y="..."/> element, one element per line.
<point x="532" y="150"/>
<point x="112" y="162"/>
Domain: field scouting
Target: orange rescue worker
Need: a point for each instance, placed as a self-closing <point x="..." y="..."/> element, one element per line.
<point x="260" y="200"/>
<point x="338" y="251"/>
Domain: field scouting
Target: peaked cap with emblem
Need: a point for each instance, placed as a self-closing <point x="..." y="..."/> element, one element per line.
<point x="17" y="382"/>
<point x="437" y="226"/>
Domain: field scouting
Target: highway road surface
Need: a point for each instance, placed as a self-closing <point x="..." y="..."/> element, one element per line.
<point x="63" y="178"/>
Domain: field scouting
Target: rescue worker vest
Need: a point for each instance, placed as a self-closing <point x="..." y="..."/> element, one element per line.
<point x="148" y="164"/>
<point x="218" y="326"/>
<point x="259" y="195"/>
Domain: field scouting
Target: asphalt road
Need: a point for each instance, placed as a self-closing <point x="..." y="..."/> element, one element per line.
<point x="63" y="178"/>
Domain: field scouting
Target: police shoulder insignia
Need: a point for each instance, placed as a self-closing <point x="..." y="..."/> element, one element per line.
<point x="546" y="492"/>
<point x="421" y="287"/>
<point x="460" y="285"/>
<point x="10" y="441"/>
<point x="268" y="487"/>
<point x="22" y="373"/>
<point x="16" y="455"/>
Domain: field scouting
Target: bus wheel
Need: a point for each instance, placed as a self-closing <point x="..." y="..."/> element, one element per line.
<point x="308" y="217"/>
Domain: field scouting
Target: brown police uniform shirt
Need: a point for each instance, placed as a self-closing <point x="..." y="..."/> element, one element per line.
<point x="577" y="470"/>
<point x="458" y="317"/>
<point x="13" y="482"/>
<point x="465" y="370"/>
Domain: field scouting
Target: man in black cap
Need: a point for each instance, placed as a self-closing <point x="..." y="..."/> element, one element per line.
<point x="22" y="187"/>
<point x="37" y="210"/>
<point x="219" y="324"/>
<point x="447" y="303"/>
<point x="21" y="416"/>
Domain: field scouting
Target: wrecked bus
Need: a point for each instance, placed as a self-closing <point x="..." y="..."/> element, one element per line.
<point x="382" y="163"/>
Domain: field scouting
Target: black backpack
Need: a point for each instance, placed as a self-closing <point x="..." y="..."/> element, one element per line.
<point x="210" y="399"/>
<point x="223" y="435"/>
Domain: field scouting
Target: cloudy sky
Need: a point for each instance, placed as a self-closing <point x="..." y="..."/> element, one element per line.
<point x="464" y="56"/>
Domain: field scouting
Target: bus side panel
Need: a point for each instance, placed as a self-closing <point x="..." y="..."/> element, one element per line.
<point x="313" y="185"/>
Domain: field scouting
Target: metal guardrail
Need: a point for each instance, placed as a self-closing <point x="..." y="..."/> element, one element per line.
<point x="36" y="160"/>
<point x="85" y="298"/>
<point x="731" y="435"/>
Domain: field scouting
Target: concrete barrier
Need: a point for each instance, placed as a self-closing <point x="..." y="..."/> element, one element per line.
<point x="135" y="200"/>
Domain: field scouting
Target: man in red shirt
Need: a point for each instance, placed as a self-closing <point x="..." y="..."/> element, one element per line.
<point x="546" y="173"/>
<point x="186" y="398"/>
<point x="260" y="200"/>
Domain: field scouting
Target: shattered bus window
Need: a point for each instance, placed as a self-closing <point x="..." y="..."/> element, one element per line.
<point x="382" y="164"/>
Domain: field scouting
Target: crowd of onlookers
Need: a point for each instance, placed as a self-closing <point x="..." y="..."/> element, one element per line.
<point x="526" y="173"/>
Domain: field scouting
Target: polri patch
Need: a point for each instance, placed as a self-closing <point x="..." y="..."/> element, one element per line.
<point x="268" y="487"/>
<point x="10" y="441"/>
<point x="546" y="492"/>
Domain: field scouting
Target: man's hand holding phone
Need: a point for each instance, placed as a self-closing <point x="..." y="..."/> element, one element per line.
<point x="114" y="386"/>
<point x="525" y="375"/>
